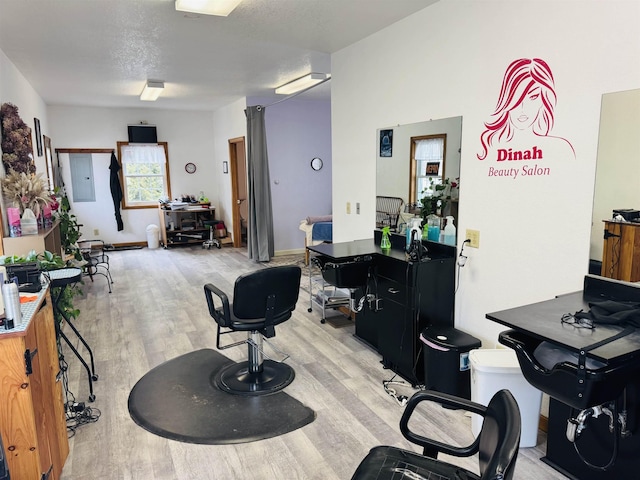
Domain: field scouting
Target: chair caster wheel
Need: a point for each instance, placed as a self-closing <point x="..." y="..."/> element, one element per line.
<point x="309" y="309"/>
<point x="94" y="377"/>
<point x="323" y="321"/>
<point x="92" y="398"/>
<point x="219" y="246"/>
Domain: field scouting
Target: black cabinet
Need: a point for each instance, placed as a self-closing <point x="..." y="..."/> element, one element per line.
<point x="411" y="296"/>
<point x="402" y="298"/>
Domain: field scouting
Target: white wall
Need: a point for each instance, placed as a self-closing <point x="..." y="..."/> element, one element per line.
<point x="189" y="137"/>
<point x="449" y="60"/>
<point x="229" y="122"/>
<point x="15" y="89"/>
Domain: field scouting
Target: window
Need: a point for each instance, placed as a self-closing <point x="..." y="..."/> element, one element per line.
<point x="427" y="164"/>
<point x="144" y="174"/>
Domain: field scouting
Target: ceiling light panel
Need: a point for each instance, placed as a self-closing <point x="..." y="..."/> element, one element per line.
<point x="151" y="91"/>
<point x="221" y="8"/>
<point x="302" y="83"/>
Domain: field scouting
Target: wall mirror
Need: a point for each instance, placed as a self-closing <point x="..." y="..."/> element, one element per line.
<point x="617" y="184"/>
<point x="400" y="175"/>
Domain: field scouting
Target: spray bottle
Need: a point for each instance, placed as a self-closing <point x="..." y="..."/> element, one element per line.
<point x="385" y="243"/>
<point x="413" y="231"/>
<point x="450" y="232"/>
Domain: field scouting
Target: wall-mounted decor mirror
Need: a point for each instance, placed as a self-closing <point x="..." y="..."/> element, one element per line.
<point x="617" y="185"/>
<point x="424" y="154"/>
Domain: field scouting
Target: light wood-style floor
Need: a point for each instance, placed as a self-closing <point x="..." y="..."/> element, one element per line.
<point x="157" y="311"/>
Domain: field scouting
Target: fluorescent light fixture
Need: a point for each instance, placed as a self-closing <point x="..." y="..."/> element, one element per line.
<point x="302" y="83"/>
<point x="151" y="91"/>
<point x="221" y="8"/>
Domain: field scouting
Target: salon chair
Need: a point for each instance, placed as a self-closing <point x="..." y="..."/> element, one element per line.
<point x="497" y="444"/>
<point x="97" y="261"/>
<point x="261" y="300"/>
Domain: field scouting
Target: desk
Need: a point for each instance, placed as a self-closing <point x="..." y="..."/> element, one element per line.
<point x="409" y="297"/>
<point x="541" y="322"/>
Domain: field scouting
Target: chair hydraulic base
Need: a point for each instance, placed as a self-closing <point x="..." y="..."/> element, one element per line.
<point x="237" y="378"/>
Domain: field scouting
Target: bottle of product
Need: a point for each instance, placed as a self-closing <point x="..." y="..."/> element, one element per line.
<point x="385" y="243"/>
<point x="414" y="232"/>
<point x="433" y="221"/>
<point x="450" y="232"/>
<point x="11" y="298"/>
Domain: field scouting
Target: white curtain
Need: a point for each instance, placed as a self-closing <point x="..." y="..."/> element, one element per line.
<point x="431" y="149"/>
<point x="143" y="154"/>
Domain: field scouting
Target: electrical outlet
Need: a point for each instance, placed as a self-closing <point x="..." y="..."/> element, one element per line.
<point x="348" y="208"/>
<point x="474" y="237"/>
<point x="358" y="208"/>
<point x="96" y="232"/>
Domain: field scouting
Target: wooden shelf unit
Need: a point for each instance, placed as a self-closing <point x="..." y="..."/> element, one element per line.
<point x="188" y="226"/>
<point x="32" y="417"/>
<point x="621" y="252"/>
<point x="46" y="239"/>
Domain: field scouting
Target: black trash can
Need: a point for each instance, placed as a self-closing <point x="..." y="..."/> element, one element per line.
<point x="446" y="360"/>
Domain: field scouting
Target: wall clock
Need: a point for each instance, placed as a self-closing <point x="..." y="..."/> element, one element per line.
<point x="316" y="163"/>
<point x="190" y="167"/>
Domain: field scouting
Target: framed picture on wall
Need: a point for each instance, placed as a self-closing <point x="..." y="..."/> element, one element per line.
<point x="38" y="137"/>
<point x="386" y="143"/>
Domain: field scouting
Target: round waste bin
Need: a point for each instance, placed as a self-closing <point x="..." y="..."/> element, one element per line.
<point x="495" y="369"/>
<point x="446" y="360"/>
<point x="152" y="236"/>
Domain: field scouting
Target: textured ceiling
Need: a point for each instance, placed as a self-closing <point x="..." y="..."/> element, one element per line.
<point x="101" y="52"/>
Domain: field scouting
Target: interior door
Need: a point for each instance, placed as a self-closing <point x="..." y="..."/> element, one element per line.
<point x="238" y="169"/>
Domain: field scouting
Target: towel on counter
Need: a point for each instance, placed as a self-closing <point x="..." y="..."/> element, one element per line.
<point x="322" y="218"/>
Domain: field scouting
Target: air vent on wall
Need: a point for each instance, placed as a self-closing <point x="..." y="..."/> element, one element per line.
<point x="142" y="134"/>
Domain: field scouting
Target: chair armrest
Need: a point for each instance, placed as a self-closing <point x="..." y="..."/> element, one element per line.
<point x="223" y="319"/>
<point x="447" y="400"/>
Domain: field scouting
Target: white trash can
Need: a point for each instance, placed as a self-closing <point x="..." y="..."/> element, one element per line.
<point x="495" y="369"/>
<point x="152" y="236"/>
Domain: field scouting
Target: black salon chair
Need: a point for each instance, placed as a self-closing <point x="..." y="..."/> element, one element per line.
<point x="497" y="444"/>
<point x="261" y="300"/>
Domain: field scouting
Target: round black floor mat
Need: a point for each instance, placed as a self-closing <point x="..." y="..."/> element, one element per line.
<point x="179" y="400"/>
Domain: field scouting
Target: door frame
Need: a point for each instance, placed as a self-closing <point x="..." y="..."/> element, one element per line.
<point x="235" y="145"/>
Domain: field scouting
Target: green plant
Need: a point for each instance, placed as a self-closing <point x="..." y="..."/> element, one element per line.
<point x="50" y="261"/>
<point x="69" y="229"/>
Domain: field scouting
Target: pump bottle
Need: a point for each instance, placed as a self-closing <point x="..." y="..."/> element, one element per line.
<point x="450" y="232"/>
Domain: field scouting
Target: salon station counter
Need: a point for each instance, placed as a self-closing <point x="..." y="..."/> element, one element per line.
<point x="574" y="386"/>
<point x="410" y="294"/>
<point x="32" y="417"/>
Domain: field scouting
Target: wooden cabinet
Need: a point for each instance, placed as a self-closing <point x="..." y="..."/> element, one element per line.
<point x="46" y="239"/>
<point x="185" y="226"/>
<point x="621" y="253"/>
<point x="32" y="417"/>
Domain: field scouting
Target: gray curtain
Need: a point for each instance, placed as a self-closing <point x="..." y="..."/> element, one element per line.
<point x="260" y="228"/>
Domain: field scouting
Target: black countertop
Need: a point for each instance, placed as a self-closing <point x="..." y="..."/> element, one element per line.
<point x="542" y="320"/>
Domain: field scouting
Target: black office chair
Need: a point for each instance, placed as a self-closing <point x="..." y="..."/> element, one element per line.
<point x="497" y="443"/>
<point x="261" y="300"/>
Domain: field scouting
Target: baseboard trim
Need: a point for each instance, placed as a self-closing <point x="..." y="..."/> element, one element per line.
<point x="544" y="424"/>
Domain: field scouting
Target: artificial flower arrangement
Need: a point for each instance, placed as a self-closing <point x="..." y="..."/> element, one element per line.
<point x="17" y="152"/>
<point x="26" y="191"/>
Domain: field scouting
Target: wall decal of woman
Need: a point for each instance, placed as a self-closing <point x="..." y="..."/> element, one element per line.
<point x="525" y="108"/>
